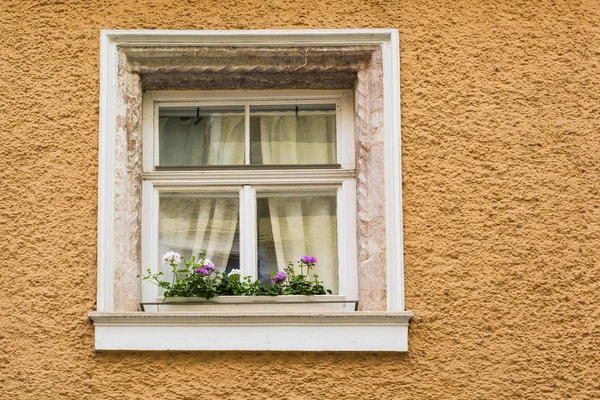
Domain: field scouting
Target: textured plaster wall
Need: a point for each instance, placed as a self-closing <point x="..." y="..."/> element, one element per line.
<point x="501" y="136"/>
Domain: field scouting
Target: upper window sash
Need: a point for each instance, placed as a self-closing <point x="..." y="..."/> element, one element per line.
<point x="344" y="135"/>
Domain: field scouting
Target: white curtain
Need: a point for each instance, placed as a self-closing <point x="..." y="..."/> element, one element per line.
<point x="304" y="139"/>
<point x="205" y="224"/>
<point x="215" y="140"/>
<point x="302" y="225"/>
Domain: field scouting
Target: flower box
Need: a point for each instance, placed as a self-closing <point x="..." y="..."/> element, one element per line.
<point x="253" y="304"/>
<point x="199" y="286"/>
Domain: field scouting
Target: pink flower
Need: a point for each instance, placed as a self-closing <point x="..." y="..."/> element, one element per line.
<point x="279" y="278"/>
<point x="209" y="265"/>
<point x="202" y="271"/>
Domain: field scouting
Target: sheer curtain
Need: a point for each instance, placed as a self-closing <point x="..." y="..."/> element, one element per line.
<point x="210" y="140"/>
<point x="207" y="222"/>
<point x="302" y="224"/>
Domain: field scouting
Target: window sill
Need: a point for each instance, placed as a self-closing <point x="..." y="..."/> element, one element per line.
<point x="358" y="331"/>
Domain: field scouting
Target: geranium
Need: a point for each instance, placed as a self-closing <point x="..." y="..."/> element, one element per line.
<point x="199" y="277"/>
<point x="209" y="265"/>
<point x="279" y="278"/>
<point x="172" y="258"/>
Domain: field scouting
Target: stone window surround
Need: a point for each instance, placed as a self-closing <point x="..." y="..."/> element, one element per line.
<point x="362" y="60"/>
<point x="242" y="68"/>
<point x="252" y="68"/>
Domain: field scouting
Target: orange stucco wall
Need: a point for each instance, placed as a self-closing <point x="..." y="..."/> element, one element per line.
<point x="501" y="144"/>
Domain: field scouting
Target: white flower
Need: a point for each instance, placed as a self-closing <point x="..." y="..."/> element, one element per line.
<point x="172" y="258"/>
<point x="235" y="272"/>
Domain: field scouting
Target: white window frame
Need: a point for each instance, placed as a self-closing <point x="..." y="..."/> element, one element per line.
<point x="248" y="181"/>
<point x="360" y="331"/>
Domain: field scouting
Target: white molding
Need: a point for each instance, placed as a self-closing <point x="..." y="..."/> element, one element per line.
<point x="347" y="150"/>
<point x="240" y="97"/>
<point x="249" y="305"/>
<point x="299" y="37"/>
<point x="343" y="100"/>
<point x="106" y="172"/>
<point x="360" y="331"/>
<point x="240" y="177"/>
<point x="149" y="121"/>
<point x="150" y="238"/>
<point x="387" y="39"/>
<point x="248" y="232"/>
<point x="346" y="224"/>
<point x="393" y="173"/>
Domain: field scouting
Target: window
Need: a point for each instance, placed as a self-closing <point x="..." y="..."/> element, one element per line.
<point x="154" y="186"/>
<point x="253" y="180"/>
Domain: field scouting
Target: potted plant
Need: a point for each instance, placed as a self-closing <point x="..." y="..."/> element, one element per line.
<point x="198" y="285"/>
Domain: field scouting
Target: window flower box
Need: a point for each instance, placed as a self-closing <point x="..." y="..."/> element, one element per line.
<point x="197" y="286"/>
<point x="253" y="304"/>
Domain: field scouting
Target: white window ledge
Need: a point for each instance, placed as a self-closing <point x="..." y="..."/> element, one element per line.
<point x="359" y="331"/>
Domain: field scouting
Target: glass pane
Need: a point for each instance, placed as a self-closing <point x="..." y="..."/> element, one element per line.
<point x="196" y="136"/>
<point x="193" y="222"/>
<point x="293" y="134"/>
<point x="293" y="225"/>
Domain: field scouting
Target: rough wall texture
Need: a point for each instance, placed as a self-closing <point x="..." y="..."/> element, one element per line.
<point x="501" y="205"/>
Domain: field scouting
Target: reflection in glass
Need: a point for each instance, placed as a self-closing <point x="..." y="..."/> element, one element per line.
<point x="196" y="136"/>
<point x="192" y="222"/>
<point x="294" y="225"/>
<point x="293" y="134"/>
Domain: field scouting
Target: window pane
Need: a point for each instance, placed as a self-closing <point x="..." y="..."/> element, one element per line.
<point x="293" y="225"/>
<point x="293" y="134"/>
<point x="193" y="222"/>
<point x="196" y="136"/>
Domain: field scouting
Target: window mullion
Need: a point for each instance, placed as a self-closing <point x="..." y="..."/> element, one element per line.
<point x="347" y="249"/>
<point x="247" y="134"/>
<point x="248" y="231"/>
<point x="150" y="239"/>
